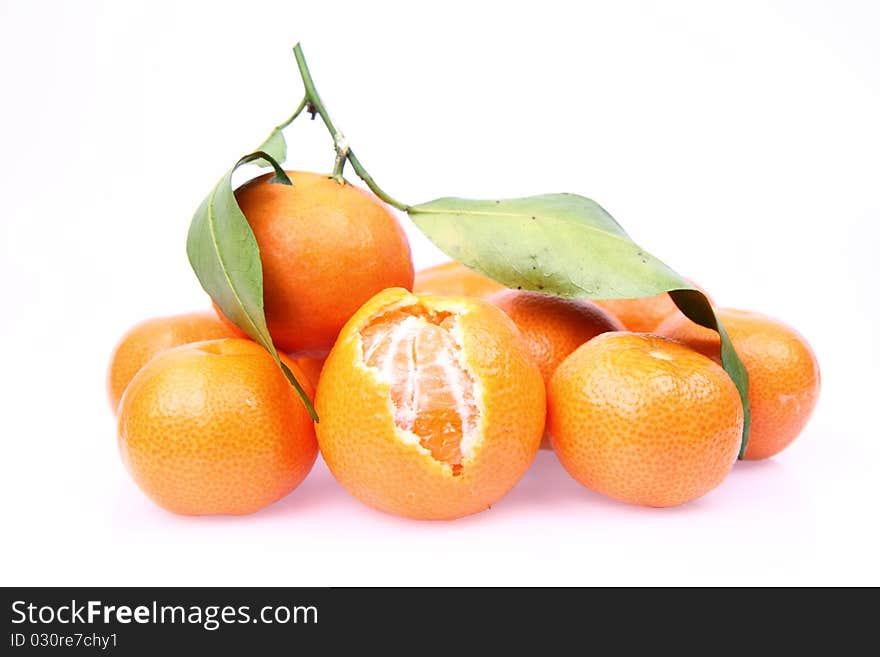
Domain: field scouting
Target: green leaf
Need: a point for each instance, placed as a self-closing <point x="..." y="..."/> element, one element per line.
<point x="224" y="254"/>
<point x="567" y="245"/>
<point x="563" y="244"/>
<point x="275" y="146"/>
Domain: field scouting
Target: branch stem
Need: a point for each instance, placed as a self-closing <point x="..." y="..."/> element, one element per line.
<point x="315" y="105"/>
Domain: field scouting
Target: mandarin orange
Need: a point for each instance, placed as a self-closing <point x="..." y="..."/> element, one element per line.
<point x="215" y="428"/>
<point x="325" y="249"/>
<point x="644" y="420"/>
<point x="430" y="406"/>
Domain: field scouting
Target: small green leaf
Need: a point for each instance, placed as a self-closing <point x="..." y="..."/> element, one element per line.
<point x="224" y="254"/>
<point x="275" y="146"/>
<point x="567" y="245"/>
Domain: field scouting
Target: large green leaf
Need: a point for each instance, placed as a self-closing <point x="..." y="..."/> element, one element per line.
<point x="224" y="254"/>
<point x="567" y="245"/>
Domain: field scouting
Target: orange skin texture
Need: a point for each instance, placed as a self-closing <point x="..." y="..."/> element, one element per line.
<point x="215" y="428"/>
<point x="325" y="249"/>
<point x="311" y="368"/>
<point x="644" y="420"/>
<point x="453" y="279"/>
<point x="553" y="327"/>
<point x="643" y="315"/>
<point x="363" y="448"/>
<point x="153" y="336"/>
<point x="784" y="377"/>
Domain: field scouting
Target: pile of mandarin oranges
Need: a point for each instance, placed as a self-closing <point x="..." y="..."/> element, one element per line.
<point x="435" y="390"/>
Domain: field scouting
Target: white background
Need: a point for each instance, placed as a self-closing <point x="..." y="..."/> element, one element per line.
<point x="737" y="141"/>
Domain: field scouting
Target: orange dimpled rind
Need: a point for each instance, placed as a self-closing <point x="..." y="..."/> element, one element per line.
<point x="784" y="376"/>
<point x="553" y="327"/>
<point x="644" y="420"/>
<point x="455" y="280"/>
<point x="215" y="428"/>
<point x="325" y="248"/>
<point x="153" y="336"/>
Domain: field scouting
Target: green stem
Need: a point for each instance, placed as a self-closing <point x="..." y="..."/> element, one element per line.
<point x="316" y="106"/>
<point x="368" y="179"/>
<point x="343" y="152"/>
<point x="303" y="104"/>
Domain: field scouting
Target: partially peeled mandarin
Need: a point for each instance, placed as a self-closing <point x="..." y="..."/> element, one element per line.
<point x="430" y="406"/>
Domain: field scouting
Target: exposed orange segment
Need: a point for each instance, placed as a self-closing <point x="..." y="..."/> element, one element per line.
<point x="432" y="393"/>
<point x="430" y="406"/>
